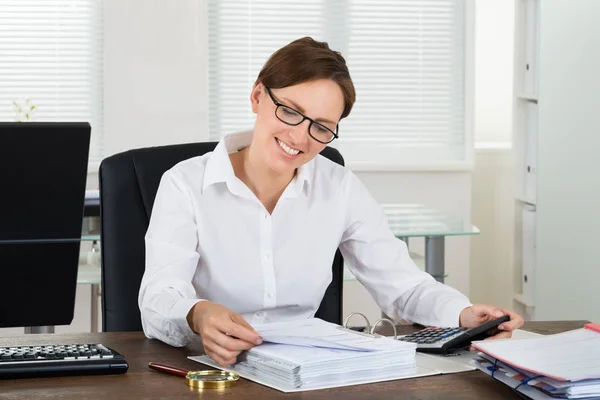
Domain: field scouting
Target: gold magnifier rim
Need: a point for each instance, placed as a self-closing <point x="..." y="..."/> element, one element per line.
<point x="211" y="379"/>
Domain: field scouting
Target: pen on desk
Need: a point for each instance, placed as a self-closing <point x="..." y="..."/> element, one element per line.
<point x="168" y="369"/>
<point x="205" y="379"/>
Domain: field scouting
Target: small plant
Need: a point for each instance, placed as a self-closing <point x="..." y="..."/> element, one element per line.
<point x="24" y="110"/>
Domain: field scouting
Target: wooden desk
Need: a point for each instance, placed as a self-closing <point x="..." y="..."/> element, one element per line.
<point x="142" y="383"/>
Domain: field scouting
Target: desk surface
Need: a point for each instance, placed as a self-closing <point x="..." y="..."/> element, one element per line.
<point x="142" y="383"/>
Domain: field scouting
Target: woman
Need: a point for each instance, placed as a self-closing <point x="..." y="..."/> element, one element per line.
<point x="247" y="234"/>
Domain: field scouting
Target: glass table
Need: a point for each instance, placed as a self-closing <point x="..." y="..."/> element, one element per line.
<point x="415" y="220"/>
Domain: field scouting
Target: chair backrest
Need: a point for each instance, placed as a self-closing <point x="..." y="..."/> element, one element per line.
<point x="128" y="185"/>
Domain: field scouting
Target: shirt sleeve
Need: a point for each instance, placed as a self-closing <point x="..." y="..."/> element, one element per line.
<point x="381" y="262"/>
<point x="166" y="292"/>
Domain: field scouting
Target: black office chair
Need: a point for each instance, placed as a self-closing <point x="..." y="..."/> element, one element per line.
<point x="128" y="185"/>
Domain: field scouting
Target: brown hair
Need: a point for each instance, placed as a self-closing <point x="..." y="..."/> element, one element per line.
<point x="306" y="60"/>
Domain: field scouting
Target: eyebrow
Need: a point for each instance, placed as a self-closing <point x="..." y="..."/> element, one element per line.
<point x="299" y="108"/>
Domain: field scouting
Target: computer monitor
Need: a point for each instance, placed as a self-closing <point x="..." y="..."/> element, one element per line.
<point x="43" y="171"/>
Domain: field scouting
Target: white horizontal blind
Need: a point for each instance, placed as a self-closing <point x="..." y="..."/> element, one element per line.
<point x="242" y="35"/>
<point x="51" y="53"/>
<point x="406" y="58"/>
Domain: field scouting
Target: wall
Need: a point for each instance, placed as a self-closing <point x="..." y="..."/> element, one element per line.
<point x="154" y="73"/>
<point x="493" y="177"/>
<point x="494" y="44"/>
<point x="493" y="212"/>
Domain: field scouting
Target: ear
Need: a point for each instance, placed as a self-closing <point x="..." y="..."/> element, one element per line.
<point x="256" y="96"/>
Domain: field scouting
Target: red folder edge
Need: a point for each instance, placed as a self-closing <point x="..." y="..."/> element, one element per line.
<point x="592" y="326"/>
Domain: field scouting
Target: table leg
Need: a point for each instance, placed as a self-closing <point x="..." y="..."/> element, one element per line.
<point x="434" y="257"/>
<point x="39" y="329"/>
<point x="405" y="240"/>
<point x="94" y="310"/>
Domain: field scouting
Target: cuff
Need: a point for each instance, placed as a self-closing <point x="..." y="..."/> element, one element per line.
<point x="450" y="315"/>
<point x="178" y="315"/>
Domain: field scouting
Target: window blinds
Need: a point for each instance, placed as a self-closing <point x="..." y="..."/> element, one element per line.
<point x="51" y="53"/>
<point x="406" y="57"/>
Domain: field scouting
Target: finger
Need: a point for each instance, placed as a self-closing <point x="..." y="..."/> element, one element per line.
<point x="516" y="321"/>
<point x="242" y="321"/>
<point x="501" y="335"/>
<point x="228" y="342"/>
<point x="232" y="344"/>
<point x="241" y="332"/>
<point x="484" y="310"/>
<point x="221" y="361"/>
<point x="220" y="351"/>
<point x="212" y="354"/>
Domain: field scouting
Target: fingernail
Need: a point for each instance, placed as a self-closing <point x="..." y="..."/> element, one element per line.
<point x="501" y="327"/>
<point x="259" y="341"/>
<point x="499" y="313"/>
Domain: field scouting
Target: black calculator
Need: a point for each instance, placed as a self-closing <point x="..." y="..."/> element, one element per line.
<point x="446" y="340"/>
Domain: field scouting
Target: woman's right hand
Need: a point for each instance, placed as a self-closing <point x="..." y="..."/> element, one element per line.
<point x="225" y="334"/>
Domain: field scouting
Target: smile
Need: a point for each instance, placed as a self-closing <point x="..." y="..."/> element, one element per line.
<point x="287" y="149"/>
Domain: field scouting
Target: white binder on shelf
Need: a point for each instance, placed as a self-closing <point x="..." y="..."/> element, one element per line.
<point x="530" y="59"/>
<point x="530" y="132"/>
<point x="529" y="254"/>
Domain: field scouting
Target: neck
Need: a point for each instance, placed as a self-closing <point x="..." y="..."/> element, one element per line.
<point x="265" y="183"/>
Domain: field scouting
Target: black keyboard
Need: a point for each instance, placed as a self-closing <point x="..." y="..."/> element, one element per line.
<point x="60" y="360"/>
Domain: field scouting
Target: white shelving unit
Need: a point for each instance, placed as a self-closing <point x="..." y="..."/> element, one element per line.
<point x="556" y="142"/>
<point x="525" y="126"/>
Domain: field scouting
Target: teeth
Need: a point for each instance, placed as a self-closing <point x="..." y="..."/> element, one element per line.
<point x="287" y="149"/>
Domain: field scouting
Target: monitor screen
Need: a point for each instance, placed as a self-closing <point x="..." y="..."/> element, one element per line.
<point x="43" y="172"/>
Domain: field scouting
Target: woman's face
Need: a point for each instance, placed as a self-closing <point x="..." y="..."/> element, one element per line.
<point x="285" y="147"/>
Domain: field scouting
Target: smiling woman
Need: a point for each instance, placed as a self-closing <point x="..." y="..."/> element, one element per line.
<point x="288" y="209"/>
<point x="303" y="81"/>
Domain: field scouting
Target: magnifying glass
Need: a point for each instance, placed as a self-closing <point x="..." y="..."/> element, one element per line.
<point x="206" y="379"/>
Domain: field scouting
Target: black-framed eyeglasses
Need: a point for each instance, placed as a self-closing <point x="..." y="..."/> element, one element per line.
<point x="289" y="116"/>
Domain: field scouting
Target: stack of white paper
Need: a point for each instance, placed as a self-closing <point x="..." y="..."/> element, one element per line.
<point x="311" y="354"/>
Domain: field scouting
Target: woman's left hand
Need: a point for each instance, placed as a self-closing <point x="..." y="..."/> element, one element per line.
<point x="479" y="314"/>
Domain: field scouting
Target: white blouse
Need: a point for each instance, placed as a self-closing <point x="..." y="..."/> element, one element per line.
<point x="210" y="238"/>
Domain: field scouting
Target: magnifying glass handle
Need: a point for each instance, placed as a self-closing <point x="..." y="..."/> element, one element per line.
<point x="168" y="369"/>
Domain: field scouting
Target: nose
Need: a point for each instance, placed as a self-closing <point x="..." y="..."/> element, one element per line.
<point x="299" y="133"/>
